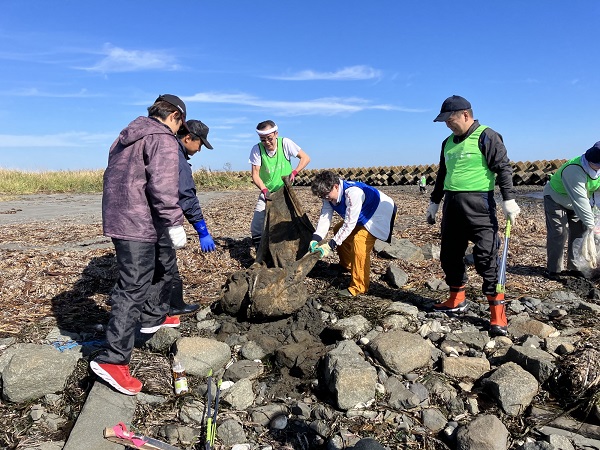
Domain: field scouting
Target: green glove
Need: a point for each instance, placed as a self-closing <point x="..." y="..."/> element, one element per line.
<point x="313" y="246"/>
<point x="324" y="250"/>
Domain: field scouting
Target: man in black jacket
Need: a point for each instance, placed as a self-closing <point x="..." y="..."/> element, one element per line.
<point x="472" y="159"/>
<point x="191" y="142"/>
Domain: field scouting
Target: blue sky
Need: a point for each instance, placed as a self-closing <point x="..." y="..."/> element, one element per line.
<point x="354" y="83"/>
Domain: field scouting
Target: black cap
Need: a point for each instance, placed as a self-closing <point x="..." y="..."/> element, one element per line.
<point x="593" y="154"/>
<point x="177" y="103"/>
<point x="199" y="129"/>
<point x="450" y="105"/>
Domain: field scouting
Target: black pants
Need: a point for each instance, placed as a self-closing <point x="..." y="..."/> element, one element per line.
<point x="177" y="289"/>
<point x="141" y="295"/>
<point x="470" y="216"/>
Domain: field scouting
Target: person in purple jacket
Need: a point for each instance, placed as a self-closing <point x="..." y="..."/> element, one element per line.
<point x="192" y="139"/>
<point x="140" y="212"/>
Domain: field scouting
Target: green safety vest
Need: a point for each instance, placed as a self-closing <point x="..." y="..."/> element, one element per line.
<point x="556" y="180"/>
<point x="467" y="169"/>
<point x="272" y="168"/>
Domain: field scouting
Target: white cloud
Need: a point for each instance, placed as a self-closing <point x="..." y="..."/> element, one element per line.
<point x="35" y="92"/>
<point x="347" y="73"/>
<point x="327" y="106"/>
<point x="72" y="139"/>
<point x="120" y="60"/>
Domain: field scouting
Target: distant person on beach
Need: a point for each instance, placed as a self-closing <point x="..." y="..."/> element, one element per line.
<point x="192" y="139"/>
<point x="472" y="159"/>
<point x="569" y="212"/>
<point x="271" y="160"/>
<point x="141" y="213"/>
<point x="368" y="215"/>
<point x="423" y="184"/>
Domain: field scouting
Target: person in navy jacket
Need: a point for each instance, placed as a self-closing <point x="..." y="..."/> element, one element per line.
<point x="191" y="142"/>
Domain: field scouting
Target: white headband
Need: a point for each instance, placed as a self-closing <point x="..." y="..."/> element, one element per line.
<point x="267" y="131"/>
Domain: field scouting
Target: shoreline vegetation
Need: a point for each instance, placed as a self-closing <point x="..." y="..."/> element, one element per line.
<point x="17" y="182"/>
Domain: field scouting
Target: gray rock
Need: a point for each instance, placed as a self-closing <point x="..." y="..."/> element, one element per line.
<point x="560" y="442"/>
<point x="400" y="397"/>
<point x="5" y="342"/>
<point x="199" y="355"/>
<point x="192" y="412"/>
<point x="439" y="386"/>
<point x="231" y="432"/>
<point x="591" y="307"/>
<point x="465" y="367"/>
<point x="321" y="427"/>
<point x="210" y="325"/>
<point x="433" y="419"/>
<point x="537" y="362"/>
<point x="278" y="422"/>
<point x="244" y="369"/>
<point x="513" y="388"/>
<point x="420" y="391"/>
<point x="538" y="445"/>
<point x="252" y="351"/>
<point x="473" y="339"/>
<point x="396" y="322"/>
<point x="399" y="249"/>
<point x="552" y="343"/>
<point x="435" y="284"/>
<point x="162" y="340"/>
<point x="402" y="308"/>
<point x="348" y="376"/>
<point x="351" y="327"/>
<point x="33" y="372"/>
<point x="401" y="352"/>
<point x="301" y="409"/>
<point x="264" y="414"/>
<point x="519" y="327"/>
<point x="395" y="276"/>
<point x="240" y="396"/>
<point x="485" y="432"/>
<point x="368" y="444"/>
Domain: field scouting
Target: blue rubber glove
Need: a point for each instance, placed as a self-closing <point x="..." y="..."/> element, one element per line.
<point x="313" y="246"/>
<point x="206" y="241"/>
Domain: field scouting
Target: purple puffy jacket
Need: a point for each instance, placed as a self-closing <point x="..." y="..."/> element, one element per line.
<point x="141" y="183"/>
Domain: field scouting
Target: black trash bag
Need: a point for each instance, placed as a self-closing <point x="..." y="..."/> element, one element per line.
<point x="273" y="286"/>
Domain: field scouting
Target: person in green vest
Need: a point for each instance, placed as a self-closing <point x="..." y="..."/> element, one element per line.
<point x="271" y="160"/>
<point x="569" y="212"/>
<point x="423" y="184"/>
<point x="472" y="160"/>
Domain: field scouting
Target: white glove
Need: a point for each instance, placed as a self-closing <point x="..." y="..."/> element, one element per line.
<point x="177" y="236"/>
<point x="588" y="248"/>
<point x="511" y="210"/>
<point x="432" y="210"/>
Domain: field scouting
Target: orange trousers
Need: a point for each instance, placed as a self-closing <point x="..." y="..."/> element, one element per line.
<point x="355" y="255"/>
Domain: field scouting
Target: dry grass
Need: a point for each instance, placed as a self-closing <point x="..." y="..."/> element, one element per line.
<point x="16" y="182"/>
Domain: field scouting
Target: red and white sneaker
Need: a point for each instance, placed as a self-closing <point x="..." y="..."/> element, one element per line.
<point x="118" y="376"/>
<point x="170" y="322"/>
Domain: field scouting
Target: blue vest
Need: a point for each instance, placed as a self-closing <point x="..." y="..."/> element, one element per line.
<point x="369" y="206"/>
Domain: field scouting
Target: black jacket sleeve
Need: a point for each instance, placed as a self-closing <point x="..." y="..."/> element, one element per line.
<point x="188" y="201"/>
<point x="494" y="152"/>
<point x="438" y="191"/>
